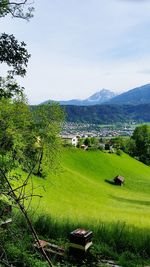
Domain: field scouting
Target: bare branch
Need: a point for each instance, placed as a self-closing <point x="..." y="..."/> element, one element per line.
<point x="30" y="196"/>
<point x="22" y="209"/>
<point x="22" y="9"/>
<point x="10" y="192"/>
<point x="15" y="3"/>
<point x="6" y="263"/>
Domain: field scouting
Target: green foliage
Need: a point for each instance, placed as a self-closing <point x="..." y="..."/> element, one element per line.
<point x="22" y="9"/>
<point x="19" y="251"/>
<point x="107" y="146"/>
<point x="13" y="54"/>
<point x="101" y="148"/>
<point x="130" y="259"/>
<point x="80" y="142"/>
<point x="118" y="142"/>
<point x="19" y="148"/>
<point x="24" y="135"/>
<point x="140" y="144"/>
<point x="87" y="141"/>
<point x="108" y="114"/>
<point x="130" y="147"/>
<point x="94" y="142"/>
<point x="9" y="88"/>
<point x="47" y="124"/>
<point x="15" y="120"/>
<point x="119" y="152"/>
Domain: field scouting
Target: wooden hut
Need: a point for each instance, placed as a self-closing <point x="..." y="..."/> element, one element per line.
<point x="119" y="180"/>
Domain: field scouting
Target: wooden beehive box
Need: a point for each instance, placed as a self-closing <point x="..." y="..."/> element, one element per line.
<point x="81" y="239"/>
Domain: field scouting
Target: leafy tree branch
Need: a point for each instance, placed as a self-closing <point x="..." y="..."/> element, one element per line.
<point x="17" y="9"/>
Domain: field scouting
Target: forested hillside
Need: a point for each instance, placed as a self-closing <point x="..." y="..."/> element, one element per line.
<point x="108" y="113"/>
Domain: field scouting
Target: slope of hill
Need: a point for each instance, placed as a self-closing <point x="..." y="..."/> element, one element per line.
<point x="81" y="194"/>
<point x="136" y="96"/>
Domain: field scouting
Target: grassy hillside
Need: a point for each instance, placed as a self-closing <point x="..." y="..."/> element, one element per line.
<point x="81" y="194"/>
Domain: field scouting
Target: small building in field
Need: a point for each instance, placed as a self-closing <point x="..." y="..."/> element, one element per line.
<point x="74" y="141"/>
<point x="70" y="140"/>
<point x="119" y="180"/>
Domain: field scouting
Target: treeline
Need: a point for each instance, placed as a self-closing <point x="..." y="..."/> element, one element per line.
<point x="107" y="113"/>
<point x="137" y="146"/>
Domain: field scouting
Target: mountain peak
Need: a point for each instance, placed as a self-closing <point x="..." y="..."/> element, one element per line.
<point x="135" y="96"/>
<point x="101" y="96"/>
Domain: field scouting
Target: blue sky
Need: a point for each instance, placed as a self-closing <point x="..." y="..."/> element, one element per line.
<point x="81" y="46"/>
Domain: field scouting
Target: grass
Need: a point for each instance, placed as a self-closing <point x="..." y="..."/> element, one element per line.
<point x="79" y="193"/>
<point x="79" y="196"/>
<point x="127" y="246"/>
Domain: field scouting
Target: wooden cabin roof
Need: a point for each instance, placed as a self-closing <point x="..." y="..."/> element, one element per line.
<point x="120" y="178"/>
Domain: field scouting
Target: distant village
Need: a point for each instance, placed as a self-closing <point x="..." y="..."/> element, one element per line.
<point x="74" y="131"/>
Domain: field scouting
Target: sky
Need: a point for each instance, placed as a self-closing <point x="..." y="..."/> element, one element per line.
<point x="79" y="47"/>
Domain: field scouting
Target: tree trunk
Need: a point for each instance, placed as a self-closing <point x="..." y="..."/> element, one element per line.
<point x="22" y="209"/>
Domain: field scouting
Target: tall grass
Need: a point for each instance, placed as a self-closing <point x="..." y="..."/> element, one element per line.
<point x="129" y="246"/>
<point x="118" y="236"/>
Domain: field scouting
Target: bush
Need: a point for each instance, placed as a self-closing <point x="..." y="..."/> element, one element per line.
<point x="119" y="152"/>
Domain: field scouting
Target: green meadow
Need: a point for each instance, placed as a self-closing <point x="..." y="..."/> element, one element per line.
<point x="79" y="193"/>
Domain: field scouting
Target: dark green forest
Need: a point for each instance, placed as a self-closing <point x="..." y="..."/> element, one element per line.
<point x="106" y="114"/>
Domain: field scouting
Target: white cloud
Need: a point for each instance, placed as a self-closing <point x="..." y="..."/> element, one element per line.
<point x="79" y="47"/>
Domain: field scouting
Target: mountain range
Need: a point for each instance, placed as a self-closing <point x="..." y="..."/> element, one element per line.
<point x="98" y="98"/>
<point x="106" y="107"/>
<point x="136" y="96"/>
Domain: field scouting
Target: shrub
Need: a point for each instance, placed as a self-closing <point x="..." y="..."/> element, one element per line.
<point x="119" y="152"/>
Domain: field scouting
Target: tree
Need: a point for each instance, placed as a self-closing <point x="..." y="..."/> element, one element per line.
<point x="13" y="116"/>
<point x="130" y="147"/>
<point x="20" y="135"/>
<point x="15" y="56"/>
<point x="18" y="9"/>
<point x="94" y="142"/>
<point x="13" y="53"/>
<point x="87" y="141"/>
<point x="118" y="142"/>
<point x="47" y="123"/>
<point x="80" y="142"/>
<point x="140" y="144"/>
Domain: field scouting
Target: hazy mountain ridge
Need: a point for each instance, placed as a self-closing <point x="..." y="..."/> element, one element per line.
<point x="98" y="98"/>
<point x="136" y="96"/>
<point x="104" y="107"/>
